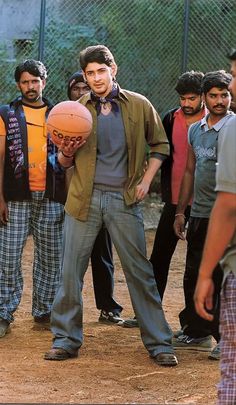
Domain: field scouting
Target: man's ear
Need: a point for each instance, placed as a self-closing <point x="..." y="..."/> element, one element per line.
<point x="44" y="83"/>
<point x="85" y="80"/>
<point x="114" y="69"/>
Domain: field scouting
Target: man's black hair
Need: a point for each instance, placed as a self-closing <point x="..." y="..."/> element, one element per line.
<point x="218" y="78"/>
<point x="34" y="67"/>
<point x="77" y="77"/>
<point x="96" y="53"/>
<point x="189" y="82"/>
<point x="232" y="54"/>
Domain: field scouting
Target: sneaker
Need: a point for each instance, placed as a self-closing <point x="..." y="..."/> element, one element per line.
<point x="178" y="333"/>
<point x="109" y="317"/>
<point x="129" y="323"/>
<point x="4" y="327"/>
<point x="215" y="353"/>
<point x="186" y="342"/>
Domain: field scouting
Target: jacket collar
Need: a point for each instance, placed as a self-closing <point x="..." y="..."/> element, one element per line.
<point x="18" y="101"/>
<point x="121" y="96"/>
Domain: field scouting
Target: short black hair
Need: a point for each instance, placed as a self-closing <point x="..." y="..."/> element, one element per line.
<point x="96" y="53"/>
<point x="189" y="82"/>
<point x="232" y="54"/>
<point x="32" y="66"/>
<point x="218" y="78"/>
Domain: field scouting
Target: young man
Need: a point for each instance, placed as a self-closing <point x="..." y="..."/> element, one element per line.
<point x="108" y="183"/>
<point x="199" y="179"/>
<point x="221" y="241"/>
<point x="176" y="123"/>
<point x="76" y="86"/>
<point x="32" y="194"/>
<point x="101" y="256"/>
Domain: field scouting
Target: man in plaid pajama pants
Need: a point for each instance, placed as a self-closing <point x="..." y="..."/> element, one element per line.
<point x="221" y="241"/>
<point x="32" y="194"/>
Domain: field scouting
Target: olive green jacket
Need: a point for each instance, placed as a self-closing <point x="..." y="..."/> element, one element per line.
<point x="143" y="127"/>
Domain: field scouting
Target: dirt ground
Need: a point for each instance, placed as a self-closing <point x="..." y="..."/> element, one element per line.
<point x="113" y="366"/>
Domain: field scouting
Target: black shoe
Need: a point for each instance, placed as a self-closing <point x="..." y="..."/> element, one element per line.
<point x="109" y="317"/>
<point x="4" y="327"/>
<point x="129" y="323"/>
<point x="42" y="319"/>
<point x="59" y="354"/>
<point x="166" y="359"/>
<point x="42" y="322"/>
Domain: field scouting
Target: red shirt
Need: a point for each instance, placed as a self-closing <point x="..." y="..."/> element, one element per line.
<point x="180" y="151"/>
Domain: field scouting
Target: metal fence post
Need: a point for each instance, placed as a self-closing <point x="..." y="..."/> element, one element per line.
<point x="186" y="35"/>
<point x="41" y="30"/>
<point x="180" y="31"/>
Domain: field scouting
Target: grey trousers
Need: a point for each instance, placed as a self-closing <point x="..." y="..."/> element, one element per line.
<point x="125" y="225"/>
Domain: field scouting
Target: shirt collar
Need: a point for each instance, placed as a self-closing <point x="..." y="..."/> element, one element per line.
<point x="179" y="111"/>
<point x="216" y="126"/>
<point x="121" y="96"/>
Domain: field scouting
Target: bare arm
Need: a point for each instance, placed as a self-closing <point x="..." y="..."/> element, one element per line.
<point x="3" y="205"/>
<point x="186" y="191"/>
<point x="142" y="188"/>
<point x="222" y="226"/>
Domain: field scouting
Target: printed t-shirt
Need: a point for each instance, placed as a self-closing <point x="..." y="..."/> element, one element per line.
<point x="37" y="145"/>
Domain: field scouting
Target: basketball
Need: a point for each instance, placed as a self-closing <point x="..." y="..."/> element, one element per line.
<point x="69" y="120"/>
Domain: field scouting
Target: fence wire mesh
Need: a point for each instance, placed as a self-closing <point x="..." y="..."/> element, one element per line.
<point x="153" y="41"/>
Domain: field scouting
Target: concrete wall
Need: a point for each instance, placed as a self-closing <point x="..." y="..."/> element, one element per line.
<point x="18" y="18"/>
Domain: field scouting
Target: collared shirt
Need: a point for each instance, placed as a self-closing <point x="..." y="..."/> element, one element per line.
<point x="142" y="126"/>
<point x="204" y="142"/>
<point x="226" y="182"/>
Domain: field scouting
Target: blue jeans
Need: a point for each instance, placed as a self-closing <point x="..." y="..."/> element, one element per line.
<point x="125" y="225"/>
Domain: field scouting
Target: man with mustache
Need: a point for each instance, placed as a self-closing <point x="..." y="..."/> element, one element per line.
<point x="176" y="123"/>
<point x="32" y="194"/>
<point x="221" y="245"/>
<point x="199" y="181"/>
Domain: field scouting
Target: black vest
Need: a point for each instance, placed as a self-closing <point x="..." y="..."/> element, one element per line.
<point x="16" y="175"/>
<point x="166" y="167"/>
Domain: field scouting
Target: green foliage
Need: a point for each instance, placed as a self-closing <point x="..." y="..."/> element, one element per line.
<point x="146" y="37"/>
<point x="61" y="51"/>
<point x="133" y="33"/>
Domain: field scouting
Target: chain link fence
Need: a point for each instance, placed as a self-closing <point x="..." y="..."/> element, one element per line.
<point x="153" y="41"/>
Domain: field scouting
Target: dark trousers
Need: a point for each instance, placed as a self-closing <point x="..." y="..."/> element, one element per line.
<point x="190" y="321"/>
<point x="103" y="273"/>
<point x="164" y="246"/>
